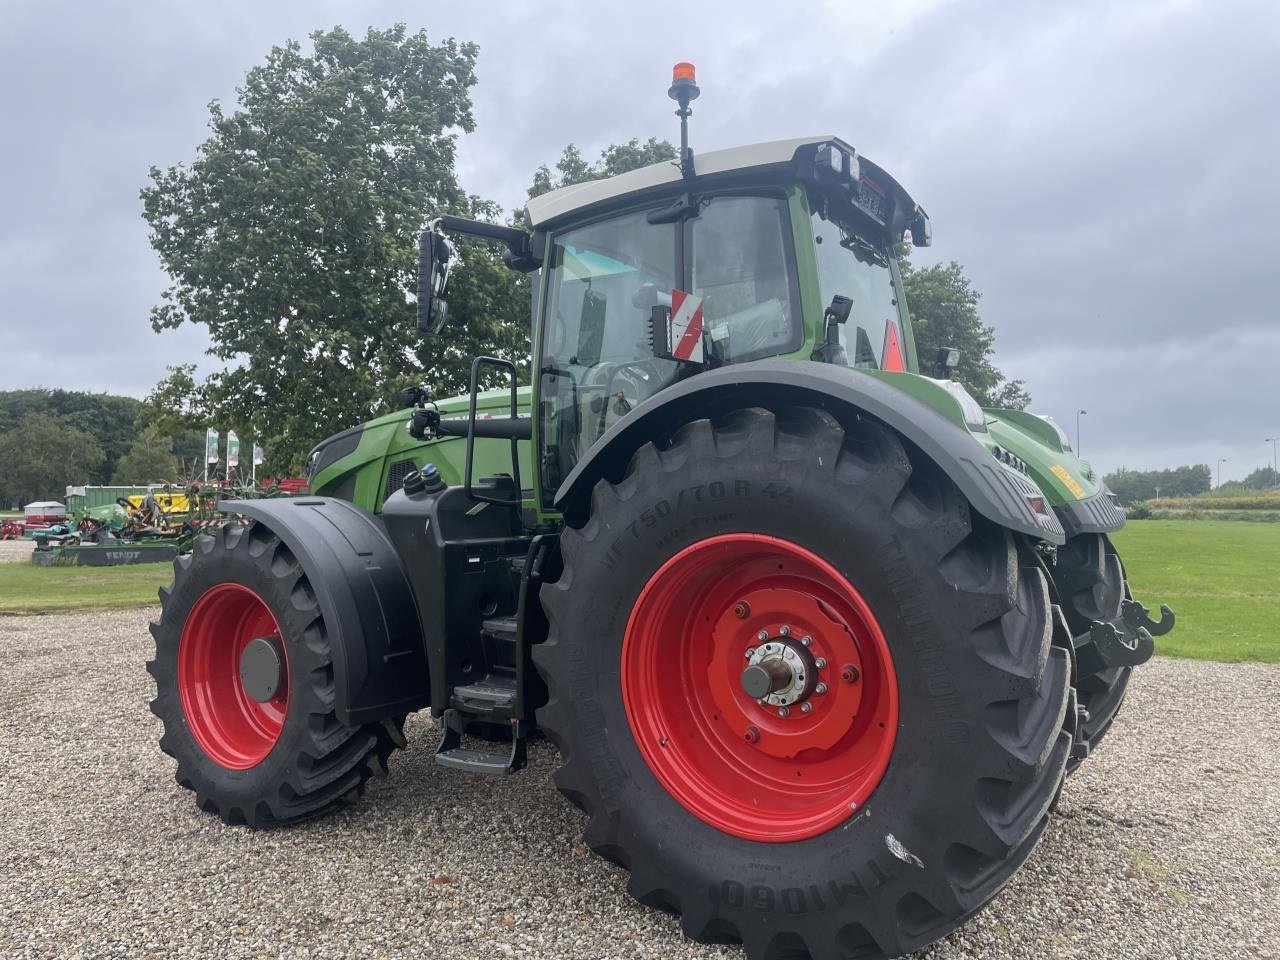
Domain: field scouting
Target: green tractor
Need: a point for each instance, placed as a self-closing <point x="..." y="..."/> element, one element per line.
<point x="817" y="637"/>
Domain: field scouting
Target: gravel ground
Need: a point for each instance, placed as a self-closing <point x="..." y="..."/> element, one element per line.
<point x="16" y="551"/>
<point x="1167" y="844"/>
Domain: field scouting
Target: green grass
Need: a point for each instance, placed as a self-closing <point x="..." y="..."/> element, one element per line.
<point x="1222" y="579"/>
<point x="25" y="588"/>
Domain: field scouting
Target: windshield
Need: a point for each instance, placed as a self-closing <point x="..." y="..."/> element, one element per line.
<point x="603" y="282"/>
<point x="849" y="266"/>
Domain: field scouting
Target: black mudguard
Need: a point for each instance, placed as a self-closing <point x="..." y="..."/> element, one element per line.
<point x="1096" y="514"/>
<point x="992" y="491"/>
<point x="380" y="666"/>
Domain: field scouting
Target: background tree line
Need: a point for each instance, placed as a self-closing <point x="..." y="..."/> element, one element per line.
<point x="1133" y="486"/>
<point x="52" y="439"/>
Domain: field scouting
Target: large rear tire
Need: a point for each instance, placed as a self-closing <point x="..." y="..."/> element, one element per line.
<point x="1091" y="585"/>
<point x="928" y="771"/>
<point x="261" y="757"/>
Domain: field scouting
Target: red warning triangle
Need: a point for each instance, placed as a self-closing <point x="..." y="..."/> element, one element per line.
<point x="891" y="357"/>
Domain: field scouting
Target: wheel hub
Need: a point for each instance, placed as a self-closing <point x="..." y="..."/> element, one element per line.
<point x="262" y="668"/>
<point x="759" y="687"/>
<point x="779" y="673"/>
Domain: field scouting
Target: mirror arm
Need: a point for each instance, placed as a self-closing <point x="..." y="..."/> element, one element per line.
<point x="519" y="254"/>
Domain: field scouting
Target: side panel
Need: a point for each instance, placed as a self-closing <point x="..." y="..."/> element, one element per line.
<point x="367" y="463"/>
<point x="994" y="491"/>
<point x="380" y="667"/>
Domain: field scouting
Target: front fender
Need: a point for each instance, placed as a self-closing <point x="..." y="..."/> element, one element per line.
<point x="370" y="617"/>
<point x="998" y="494"/>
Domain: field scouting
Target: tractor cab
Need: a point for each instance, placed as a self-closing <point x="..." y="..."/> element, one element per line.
<point x="780" y="250"/>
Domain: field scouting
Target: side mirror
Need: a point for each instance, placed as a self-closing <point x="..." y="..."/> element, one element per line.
<point x="434" y="261"/>
<point x="945" y="363"/>
<point x="921" y="229"/>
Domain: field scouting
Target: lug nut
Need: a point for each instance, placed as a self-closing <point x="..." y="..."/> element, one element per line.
<point x="784" y="711"/>
<point x="752" y="735"/>
<point x="806" y="707"/>
<point x="806" y="640"/>
<point x="849" y="673"/>
<point x="819" y="689"/>
<point x="742" y="609"/>
<point x="751" y="652"/>
<point x="762" y="635"/>
<point x="784" y="630"/>
<point x="820" y="662"/>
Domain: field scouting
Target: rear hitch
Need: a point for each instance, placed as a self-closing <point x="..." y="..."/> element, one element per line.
<point x="1127" y="641"/>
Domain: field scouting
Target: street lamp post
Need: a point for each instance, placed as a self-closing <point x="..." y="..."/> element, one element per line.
<point x="1079" y="414"/>
<point x="1221" y="461"/>
<point x="1275" y="476"/>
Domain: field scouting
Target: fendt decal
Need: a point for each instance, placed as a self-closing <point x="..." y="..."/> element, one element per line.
<point x="1068" y="481"/>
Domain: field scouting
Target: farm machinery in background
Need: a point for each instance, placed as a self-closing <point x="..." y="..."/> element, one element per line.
<point x="817" y="637"/>
<point x="145" y="527"/>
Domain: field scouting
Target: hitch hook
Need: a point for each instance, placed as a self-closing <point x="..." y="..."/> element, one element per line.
<point x="1139" y="617"/>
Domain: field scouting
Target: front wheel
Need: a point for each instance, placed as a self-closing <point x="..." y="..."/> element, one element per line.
<point x="245" y="689"/>
<point x="805" y="697"/>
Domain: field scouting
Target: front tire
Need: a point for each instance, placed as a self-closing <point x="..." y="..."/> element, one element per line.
<point x="261" y="757"/>
<point x="874" y="554"/>
<point x="1091" y="585"/>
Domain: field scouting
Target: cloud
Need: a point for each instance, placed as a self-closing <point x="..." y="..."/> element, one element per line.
<point x="1102" y="170"/>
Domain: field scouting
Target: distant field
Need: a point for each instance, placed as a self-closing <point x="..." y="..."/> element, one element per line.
<point x="1259" y="506"/>
<point x="29" y="589"/>
<point x="1222" y="579"/>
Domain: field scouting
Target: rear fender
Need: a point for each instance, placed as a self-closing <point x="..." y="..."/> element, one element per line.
<point x="996" y="493"/>
<point x="371" y="620"/>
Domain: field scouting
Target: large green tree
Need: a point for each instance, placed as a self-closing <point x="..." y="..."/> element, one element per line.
<point x="41" y="456"/>
<point x="290" y="237"/>
<point x="944" y="313"/>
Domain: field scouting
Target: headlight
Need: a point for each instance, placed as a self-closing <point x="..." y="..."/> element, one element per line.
<point x="1062" y="434"/>
<point x="974" y="418"/>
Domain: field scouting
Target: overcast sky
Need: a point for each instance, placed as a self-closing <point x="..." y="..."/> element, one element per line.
<point x="1104" y="171"/>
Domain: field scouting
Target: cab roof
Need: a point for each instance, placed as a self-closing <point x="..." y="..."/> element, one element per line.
<point x="557" y="204"/>
<point x="549" y="209"/>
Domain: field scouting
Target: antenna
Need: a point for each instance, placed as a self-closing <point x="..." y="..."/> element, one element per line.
<point x="684" y="89"/>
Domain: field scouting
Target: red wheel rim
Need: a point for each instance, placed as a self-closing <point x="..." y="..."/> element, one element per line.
<point x="235" y="730"/>
<point x="747" y="767"/>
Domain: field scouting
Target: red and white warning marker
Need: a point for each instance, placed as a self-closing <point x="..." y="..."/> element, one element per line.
<point x="684" y="331"/>
<point x="891" y="358"/>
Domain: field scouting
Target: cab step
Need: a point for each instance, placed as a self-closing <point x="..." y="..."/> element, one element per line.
<point x="451" y="753"/>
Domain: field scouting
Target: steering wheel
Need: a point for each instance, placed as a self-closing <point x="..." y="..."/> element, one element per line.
<point x="629" y="383"/>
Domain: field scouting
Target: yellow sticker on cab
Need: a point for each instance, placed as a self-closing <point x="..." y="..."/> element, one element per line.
<point x="1068" y="481"/>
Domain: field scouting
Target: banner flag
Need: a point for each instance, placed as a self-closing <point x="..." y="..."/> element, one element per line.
<point x="233" y="449"/>
<point x="257" y="455"/>
<point x="211" y="446"/>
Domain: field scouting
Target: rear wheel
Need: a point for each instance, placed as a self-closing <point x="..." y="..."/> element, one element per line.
<point x="806" y="698"/>
<point x="245" y="690"/>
